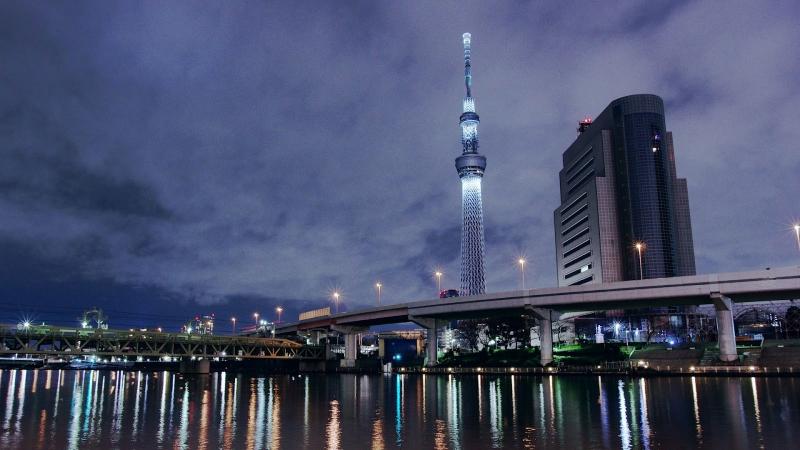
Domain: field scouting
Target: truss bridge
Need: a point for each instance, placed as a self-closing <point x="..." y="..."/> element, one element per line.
<point x="69" y="343"/>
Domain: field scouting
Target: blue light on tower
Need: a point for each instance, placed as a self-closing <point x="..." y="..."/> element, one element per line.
<point x="470" y="166"/>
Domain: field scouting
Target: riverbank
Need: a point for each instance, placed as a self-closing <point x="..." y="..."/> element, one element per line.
<point x="666" y="371"/>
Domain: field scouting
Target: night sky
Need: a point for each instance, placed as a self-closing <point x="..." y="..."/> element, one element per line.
<point x="161" y="159"/>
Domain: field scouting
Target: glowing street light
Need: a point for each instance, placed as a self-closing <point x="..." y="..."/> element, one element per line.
<point x="521" y="263"/>
<point x="255" y="315"/>
<point x="639" y="246"/>
<point x="378" y="286"/>
<point x="336" y="301"/>
<point x="279" y="310"/>
<point x="438" y="274"/>
<point x="233" y="319"/>
<point x="797" y="234"/>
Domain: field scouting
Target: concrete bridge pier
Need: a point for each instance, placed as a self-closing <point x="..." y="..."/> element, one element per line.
<point x="726" y="333"/>
<point x="545" y="318"/>
<point x="316" y="336"/>
<point x="351" y="344"/>
<point x="432" y="326"/>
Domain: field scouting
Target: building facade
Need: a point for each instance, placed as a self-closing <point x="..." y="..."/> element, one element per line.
<point x="619" y="188"/>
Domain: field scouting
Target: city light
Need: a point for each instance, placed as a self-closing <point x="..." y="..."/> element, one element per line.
<point x="233" y="319"/>
<point x="378" y="287"/>
<point x="797" y="234"/>
<point x="279" y="310"/>
<point x="438" y="275"/>
<point x="255" y="316"/>
<point x="84" y="324"/>
<point x="521" y="262"/>
<point x="640" y="247"/>
<point x="336" y="301"/>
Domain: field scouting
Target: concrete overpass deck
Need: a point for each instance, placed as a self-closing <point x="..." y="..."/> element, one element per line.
<point x="549" y="304"/>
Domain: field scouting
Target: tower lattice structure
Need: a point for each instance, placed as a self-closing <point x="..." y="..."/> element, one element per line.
<point x="470" y="166"/>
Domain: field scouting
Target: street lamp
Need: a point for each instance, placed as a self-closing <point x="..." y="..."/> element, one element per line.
<point x="233" y="319"/>
<point x="797" y="234"/>
<point x="639" y="246"/>
<point x="336" y="301"/>
<point x="255" y="315"/>
<point x="438" y="282"/>
<point x="378" y="286"/>
<point x="521" y="262"/>
<point x="279" y="310"/>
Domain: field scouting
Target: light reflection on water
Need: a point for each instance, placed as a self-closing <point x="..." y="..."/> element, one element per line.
<point x="93" y="409"/>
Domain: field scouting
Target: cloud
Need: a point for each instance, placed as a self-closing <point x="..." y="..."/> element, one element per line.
<point x="271" y="151"/>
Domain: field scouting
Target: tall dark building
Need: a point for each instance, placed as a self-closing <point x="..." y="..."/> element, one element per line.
<point x="619" y="188"/>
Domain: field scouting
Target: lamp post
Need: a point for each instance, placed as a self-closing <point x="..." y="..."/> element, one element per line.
<point x="639" y="247"/>
<point x="797" y="234"/>
<point x="378" y="286"/>
<point x="255" y="315"/>
<point x="438" y="282"/>
<point x="279" y="310"/>
<point x="521" y="262"/>
<point x="336" y="301"/>
<point x="233" y="320"/>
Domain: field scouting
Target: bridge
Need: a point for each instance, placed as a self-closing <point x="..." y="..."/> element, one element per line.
<point x="721" y="290"/>
<point x="71" y="343"/>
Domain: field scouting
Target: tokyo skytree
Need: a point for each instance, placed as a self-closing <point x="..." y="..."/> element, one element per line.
<point x="470" y="166"/>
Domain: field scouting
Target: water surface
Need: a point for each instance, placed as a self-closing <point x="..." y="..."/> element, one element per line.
<point x="52" y="409"/>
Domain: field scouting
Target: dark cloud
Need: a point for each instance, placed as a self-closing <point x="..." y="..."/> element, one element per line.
<point x="259" y="153"/>
<point x="62" y="183"/>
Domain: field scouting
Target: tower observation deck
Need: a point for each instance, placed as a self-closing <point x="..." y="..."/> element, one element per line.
<point x="470" y="166"/>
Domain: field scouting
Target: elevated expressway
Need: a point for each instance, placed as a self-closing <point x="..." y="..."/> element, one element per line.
<point x="721" y="290"/>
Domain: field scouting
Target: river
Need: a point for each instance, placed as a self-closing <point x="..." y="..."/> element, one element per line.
<point x="57" y="409"/>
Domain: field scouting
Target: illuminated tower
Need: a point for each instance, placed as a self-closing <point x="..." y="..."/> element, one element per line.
<point x="470" y="166"/>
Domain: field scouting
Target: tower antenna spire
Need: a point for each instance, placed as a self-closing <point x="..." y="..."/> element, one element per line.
<point x="467" y="63"/>
<point x="470" y="166"/>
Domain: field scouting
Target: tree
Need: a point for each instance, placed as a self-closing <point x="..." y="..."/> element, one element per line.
<point x="793" y="321"/>
<point x="469" y="332"/>
<point x="512" y="331"/>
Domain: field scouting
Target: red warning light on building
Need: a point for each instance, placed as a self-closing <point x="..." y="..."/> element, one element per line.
<point x="584" y="124"/>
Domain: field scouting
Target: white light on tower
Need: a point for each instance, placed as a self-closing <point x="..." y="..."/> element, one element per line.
<point x="470" y="166"/>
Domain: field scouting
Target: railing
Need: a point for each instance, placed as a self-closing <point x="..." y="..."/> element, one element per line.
<point x="478" y="370"/>
<point x="621" y="368"/>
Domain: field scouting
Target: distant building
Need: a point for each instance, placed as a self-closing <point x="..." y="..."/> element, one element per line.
<point x="200" y="325"/>
<point x="619" y="187"/>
